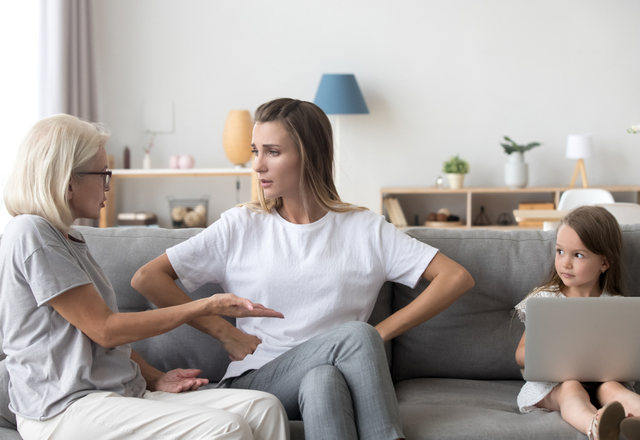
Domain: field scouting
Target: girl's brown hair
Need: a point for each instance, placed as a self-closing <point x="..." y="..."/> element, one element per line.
<point x="310" y="129"/>
<point x="600" y="232"/>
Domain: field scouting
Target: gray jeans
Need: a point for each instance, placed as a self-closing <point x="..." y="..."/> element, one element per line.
<point x="338" y="382"/>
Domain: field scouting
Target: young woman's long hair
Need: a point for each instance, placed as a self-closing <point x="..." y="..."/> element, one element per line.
<point x="54" y="150"/>
<point x="600" y="232"/>
<point x="310" y="129"/>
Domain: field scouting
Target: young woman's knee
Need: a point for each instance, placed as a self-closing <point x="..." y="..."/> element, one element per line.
<point x="316" y="383"/>
<point x="320" y="376"/>
<point x="361" y="331"/>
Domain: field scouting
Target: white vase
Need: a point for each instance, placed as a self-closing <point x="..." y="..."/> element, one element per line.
<point x="146" y="161"/>
<point x="455" y="180"/>
<point x="516" y="171"/>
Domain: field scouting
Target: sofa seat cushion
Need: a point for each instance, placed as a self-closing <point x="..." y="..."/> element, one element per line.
<point x="473" y="409"/>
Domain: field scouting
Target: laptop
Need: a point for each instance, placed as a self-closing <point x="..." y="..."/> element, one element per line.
<point x="584" y="339"/>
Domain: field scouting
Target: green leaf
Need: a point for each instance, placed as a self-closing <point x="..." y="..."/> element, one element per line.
<point x="517" y="148"/>
<point x="455" y="165"/>
<point x="508" y="148"/>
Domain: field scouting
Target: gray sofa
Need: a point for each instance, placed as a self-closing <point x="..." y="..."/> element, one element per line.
<point x="456" y="376"/>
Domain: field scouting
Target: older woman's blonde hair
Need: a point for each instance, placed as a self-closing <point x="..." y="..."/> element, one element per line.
<point x="310" y="129"/>
<point x="54" y="150"/>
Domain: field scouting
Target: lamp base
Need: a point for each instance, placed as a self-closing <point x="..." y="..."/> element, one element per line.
<point x="583" y="172"/>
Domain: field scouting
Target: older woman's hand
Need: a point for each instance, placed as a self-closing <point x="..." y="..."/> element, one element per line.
<point x="228" y="304"/>
<point x="176" y="381"/>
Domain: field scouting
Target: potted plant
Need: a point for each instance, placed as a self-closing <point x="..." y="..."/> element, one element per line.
<point x="516" y="171"/>
<point x="455" y="168"/>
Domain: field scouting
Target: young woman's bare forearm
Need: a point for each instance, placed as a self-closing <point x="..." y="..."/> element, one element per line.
<point x="445" y="288"/>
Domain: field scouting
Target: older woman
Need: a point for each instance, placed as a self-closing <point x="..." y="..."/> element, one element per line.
<point x="72" y="372"/>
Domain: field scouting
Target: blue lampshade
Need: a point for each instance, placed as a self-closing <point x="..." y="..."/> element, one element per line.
<point x="339" y="94"/>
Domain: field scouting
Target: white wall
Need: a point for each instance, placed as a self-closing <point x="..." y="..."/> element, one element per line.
<point x="18" y="84"/>
<point x="440" y="78"/>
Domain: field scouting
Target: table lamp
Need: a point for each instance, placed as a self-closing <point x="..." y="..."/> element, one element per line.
<point x="579" y="147"/>
<point x="339" y="94"/>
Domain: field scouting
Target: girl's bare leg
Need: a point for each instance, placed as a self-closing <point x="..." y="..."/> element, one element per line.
<point x="572" y="401"/>
<point x="611" y="391"/>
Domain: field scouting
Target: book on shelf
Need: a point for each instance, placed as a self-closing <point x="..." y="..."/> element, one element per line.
<point x="394" y="210"/>
<point x="120" y="225"/>
<point x="137" y="218"/>
<point x="534" y="206"/>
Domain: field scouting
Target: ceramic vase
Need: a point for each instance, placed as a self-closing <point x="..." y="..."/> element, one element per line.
<point x="456" y="181"/>
<point x="516" y="171"/>
<point x="236" y="137"/>
<point x="146" y="161"/>
<point x="186" y="161"/>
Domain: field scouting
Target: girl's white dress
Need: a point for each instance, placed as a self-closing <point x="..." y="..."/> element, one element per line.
<point x="533" y="392"/>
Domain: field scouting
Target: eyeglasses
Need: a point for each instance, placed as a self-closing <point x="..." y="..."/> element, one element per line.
<point x="107" y="176"/>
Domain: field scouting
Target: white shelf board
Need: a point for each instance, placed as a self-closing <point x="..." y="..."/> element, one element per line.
<point x="169" y="172"/>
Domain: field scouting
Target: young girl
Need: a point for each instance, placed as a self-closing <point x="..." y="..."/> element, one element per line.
<point x="588" y="263"/>
<point x="319" y="261"/>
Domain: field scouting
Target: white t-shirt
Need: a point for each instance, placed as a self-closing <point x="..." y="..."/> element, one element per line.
<point x="319" y="275"/>
<point x="50" y="362"/>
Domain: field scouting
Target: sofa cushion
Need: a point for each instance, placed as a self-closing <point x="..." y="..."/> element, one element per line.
<point x="477" y="336"/>
<point x="457" y="409"/>
<point x="7" y="418"/>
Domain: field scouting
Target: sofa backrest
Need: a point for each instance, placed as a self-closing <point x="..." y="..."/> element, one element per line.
<point x="122" y="251"/>
<point x="477" y="336"/>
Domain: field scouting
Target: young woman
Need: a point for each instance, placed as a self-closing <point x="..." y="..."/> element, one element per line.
<point x="322" y="262"/>
<point x="588" y="263"/>
<point x="72" y="374"/>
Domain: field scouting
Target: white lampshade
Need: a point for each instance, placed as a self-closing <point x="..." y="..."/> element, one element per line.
<point x="579" y="146"/>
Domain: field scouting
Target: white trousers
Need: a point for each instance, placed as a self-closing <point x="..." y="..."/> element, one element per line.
<point x="221" y="414"/>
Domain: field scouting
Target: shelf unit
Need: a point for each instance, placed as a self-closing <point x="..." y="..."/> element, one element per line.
<point x="466" y="201"/>
<point x="108" y="215"/>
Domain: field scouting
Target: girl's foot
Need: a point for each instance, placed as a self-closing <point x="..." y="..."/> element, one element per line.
<point x="630" y="428"/>
<point x="606" y="422"/>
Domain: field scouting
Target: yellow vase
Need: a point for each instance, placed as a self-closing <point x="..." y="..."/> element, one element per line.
<point x="236" y="137"/>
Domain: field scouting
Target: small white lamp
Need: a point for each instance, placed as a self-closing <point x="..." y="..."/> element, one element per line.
<point x="579" y="147"/>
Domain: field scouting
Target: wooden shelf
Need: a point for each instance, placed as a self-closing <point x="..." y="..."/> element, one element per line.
<point x="469" y="193"/>
<point x="169" y="172"/>
<point x="108" y="215"/>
